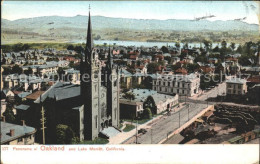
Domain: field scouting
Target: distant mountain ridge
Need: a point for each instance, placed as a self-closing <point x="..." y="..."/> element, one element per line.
<point x="41" y="24"/>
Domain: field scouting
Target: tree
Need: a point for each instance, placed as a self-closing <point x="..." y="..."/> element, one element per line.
<point x="29" y="71"/>
<point x="71" y="64"/>
<point x="17" y="69"/>
<point x="207" y="44"/>
<point x="9" y="114"/>
<point x="239" y="49"/>
<point x="192" y="67"/>
<point x="233" y="46"/>
<point x="147" y="114"/>
<point x="186" y="46"/>
<point x="64" y="134"/>
<point x="177" y="45"/>
<point x="244" y="60"/>
<point x="7" y="71"/>
<point x="70" y="47"/>
<point x="168" y="58"/>
<point x="223" y="44"/>
<point x="129" y="95"/>
<point x="79" y="49"/>
<point x="151" y="67"/>
<point x="25" y="47"/>
<point x="164" y="49"/>
<point x="150" y="103"/>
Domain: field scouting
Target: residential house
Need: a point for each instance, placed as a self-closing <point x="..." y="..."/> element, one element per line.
<point x="236" y="86"/>
<point x="12" y="134"/>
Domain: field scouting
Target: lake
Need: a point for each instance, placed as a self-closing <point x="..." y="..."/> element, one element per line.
<point x="145" y="44"/>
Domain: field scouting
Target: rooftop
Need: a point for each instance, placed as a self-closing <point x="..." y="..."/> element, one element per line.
<point x="22" y="107"/>
<point x="35" y="95"/>
<point x="19" y="131"/>
<point x="236" y="80"/>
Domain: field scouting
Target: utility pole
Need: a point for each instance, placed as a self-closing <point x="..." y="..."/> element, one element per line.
<point x="179" y="119"/>
<point x="42" y="122"/>
<point x="136" y="131"/>
<point x="151" y="135"/>
<point x="188" y="112"/>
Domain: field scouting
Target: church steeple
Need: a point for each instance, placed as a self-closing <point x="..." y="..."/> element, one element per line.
<point x="109" y="59"/>
<point x="90" y="44"/>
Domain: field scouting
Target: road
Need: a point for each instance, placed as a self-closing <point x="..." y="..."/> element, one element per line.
<point x="167" y="124"/>
<point x="219" y="90"/>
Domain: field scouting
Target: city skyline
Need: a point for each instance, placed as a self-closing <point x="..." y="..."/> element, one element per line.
<point x="161" y="10"/>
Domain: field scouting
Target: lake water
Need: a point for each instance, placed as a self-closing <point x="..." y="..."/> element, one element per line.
<point x="146" y="44"/>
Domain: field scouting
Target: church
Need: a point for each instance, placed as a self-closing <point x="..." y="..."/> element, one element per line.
<point x="90" y="109"/>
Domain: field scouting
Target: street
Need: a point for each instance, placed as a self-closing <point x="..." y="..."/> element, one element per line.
<point x="167" y="124"/>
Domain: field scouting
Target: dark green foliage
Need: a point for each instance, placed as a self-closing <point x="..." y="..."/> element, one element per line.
<point x="7" y="71"/>
<point x="147" y="114"/>
<point x="64" y="134"/>
<point x="149" y="103"/>
<point x="164" y="49"/>
<point x="29" y="71"/>
<point x="151" y="67"/>
<point x="17" y="69"/>
<point x="9" y="114"/>
<point x="15" y="47"/>
<point x="128" y="128"/>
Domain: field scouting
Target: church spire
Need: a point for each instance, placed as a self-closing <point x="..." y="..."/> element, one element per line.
<point x="90" y="43"/>
<point x="109" y="58"/>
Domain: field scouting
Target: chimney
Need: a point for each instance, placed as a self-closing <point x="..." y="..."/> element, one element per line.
<point x="3" y="118"/>
<point x="11" y="132"/>
<point x="23" y="122"/>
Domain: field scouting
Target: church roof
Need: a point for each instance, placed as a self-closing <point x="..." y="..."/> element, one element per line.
<point x="64" y="91"/>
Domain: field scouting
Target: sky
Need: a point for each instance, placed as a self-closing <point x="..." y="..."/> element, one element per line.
<point x="162" y="10"/>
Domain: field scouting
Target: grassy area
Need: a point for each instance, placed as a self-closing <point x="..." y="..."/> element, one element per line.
<point x="96" y="141"/>
<point x="128" y="128"/>
<point x="142" y="121"/>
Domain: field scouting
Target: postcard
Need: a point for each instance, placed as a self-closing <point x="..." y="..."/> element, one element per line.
<point x="130" y="82"/>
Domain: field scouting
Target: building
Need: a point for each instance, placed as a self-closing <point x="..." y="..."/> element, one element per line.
<point x="236" y="86"/>
<point x="135" y="107"/>
<point x="12" y="134"/>
<point x="88" y="108"/>
<point x="73" y="76"/>
<point x="177" y="84"/>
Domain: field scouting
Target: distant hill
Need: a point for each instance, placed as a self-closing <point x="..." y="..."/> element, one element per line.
<point x="45" y="24"/>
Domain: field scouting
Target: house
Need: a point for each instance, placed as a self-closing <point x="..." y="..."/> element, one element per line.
<point x="206" y="70"/>
<point x="5" y="93"/>
<point x="134" y="107"/>
<point x="126" y="78"/>
<point x="73" y="76"/>
<point x="11" y="81"/>
<point x="12" y="134"/>
<point x="236" y="86"/>
<point x="177" y="84"/>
